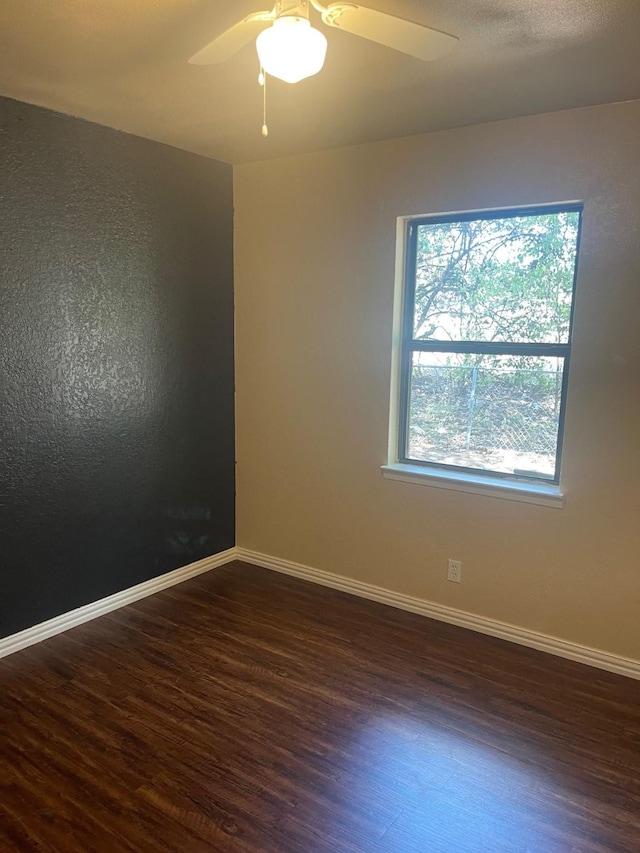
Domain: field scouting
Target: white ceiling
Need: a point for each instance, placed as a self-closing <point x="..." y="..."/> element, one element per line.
<point x="123" y="63"/>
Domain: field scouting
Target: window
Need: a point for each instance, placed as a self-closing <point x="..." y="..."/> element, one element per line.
<point x="486" y="341"/>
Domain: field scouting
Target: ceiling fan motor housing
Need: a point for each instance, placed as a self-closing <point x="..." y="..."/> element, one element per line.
<point x="293" y="8"/>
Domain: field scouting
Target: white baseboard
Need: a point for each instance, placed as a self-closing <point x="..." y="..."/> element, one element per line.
<point x="61" y="623"/>
<point x="492" y="627"/>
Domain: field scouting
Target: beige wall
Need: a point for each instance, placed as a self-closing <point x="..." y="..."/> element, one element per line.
<point x="314" y="253"/>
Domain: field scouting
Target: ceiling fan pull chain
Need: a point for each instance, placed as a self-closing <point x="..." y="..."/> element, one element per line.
<point x="262" y="80"/>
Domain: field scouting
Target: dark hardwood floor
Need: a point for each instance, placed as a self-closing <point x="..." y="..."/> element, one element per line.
<point x="247" y="711"/>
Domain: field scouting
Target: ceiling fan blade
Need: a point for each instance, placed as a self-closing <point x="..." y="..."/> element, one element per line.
<point x="232" y="40"/>
<point x="397" y="33"/>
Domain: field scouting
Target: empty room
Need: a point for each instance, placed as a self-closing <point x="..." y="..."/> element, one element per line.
<point x="319" y="418"/>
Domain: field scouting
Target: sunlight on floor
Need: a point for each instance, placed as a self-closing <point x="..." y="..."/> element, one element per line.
<point x="433" y="786"/>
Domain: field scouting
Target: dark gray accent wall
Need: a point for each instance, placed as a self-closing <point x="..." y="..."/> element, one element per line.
<point x="116" y="362"/>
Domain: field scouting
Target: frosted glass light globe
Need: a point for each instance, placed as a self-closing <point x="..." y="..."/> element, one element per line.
<point x="291" y="49"/>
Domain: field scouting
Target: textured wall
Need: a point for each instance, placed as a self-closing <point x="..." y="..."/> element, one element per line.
<point x="116" y="395"/>
<point x="315" y="252"/>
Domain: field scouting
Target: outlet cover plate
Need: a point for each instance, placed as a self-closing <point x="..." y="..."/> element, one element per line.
<point x="454" y="571"/>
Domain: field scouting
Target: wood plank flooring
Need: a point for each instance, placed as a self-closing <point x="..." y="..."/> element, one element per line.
<point x="247" y="711"/>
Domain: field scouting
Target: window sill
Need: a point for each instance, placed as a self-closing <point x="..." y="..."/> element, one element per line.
<point x="492" y="487"/>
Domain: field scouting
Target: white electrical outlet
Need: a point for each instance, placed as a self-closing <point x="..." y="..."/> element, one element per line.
<point x="454" y="572"/>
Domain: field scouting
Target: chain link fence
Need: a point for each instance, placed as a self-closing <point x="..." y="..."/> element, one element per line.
<point x="475" y="408"/>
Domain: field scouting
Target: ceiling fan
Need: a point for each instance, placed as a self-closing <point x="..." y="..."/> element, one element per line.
<point x="287" y="29"/>
<point x="290" y="49"/>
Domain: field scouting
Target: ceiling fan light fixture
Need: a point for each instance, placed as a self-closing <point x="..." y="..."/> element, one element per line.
<point x="291" y="49"/>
